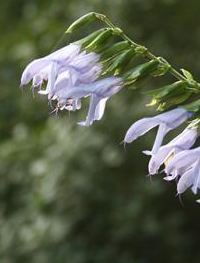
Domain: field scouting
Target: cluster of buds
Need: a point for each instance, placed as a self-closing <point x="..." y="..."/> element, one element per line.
<point x="99" y="67"/>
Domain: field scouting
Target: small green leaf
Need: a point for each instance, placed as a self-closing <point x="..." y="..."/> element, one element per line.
<point x="187" y="74"/>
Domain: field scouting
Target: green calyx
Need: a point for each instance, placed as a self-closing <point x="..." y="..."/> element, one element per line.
<point x="169" y="95"/>
<point x="119" y="61"/>
<point x="193" y="106"/>
<point x="100" y="40"/>
<point x="140" y="71"/>
<point x="88" y="39"/>
<point x="115" y="49"/>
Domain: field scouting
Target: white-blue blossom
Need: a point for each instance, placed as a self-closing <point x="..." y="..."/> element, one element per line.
<point x="183" y="160"/>
<point x="183" y="141"/>
<point x="166" y="122"/>
<point x="82" y="68"/>
<point x="186" y="164"/>
<point x="100" y="91"/>
<point x="36" y="68"/>
<point x="191" y="178"/>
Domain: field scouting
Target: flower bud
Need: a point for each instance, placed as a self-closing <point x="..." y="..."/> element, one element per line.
<point x="140" y="71"/>
<point x="114" y="49"/>
<point x="88" y="39"/>
<point x="120" y="60"/>
<point x="99" y="40"/>
<point x="81" y="22"/>
<point x="169" y="95"/>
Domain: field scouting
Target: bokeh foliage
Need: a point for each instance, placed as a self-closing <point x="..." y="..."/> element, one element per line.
<point x="72" y="194"/>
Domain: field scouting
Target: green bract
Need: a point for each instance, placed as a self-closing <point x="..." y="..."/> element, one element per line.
<point x="193" y="106"/>
<point x="99" y="40"/>
<point x="169" y="95"/>
<point x="175" y="100"/>
<point x="88" y="39"/>
<point x="81" y="22"/>
<point x="120" y="60"/>
<point x="114" y="49"/>
<point x="139" y="71"/>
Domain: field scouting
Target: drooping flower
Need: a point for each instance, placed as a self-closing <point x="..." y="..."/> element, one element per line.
<point x="43" y="66"/>
<point x="191" y="178"/>
<point x="183" y="141"/>
<point x="81" y="67"/>
<point x="100" y="91"/>
<point x="186" y="164"/>
<point x="166" y="122"/>
<point x="185" y="159"/>
<point x="100" y="94"/>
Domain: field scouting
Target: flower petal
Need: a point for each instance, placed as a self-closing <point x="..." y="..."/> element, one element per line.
<point x="32" y="69"/>
<point x="91" y="112"/>
<point x="139" y="128"/>
<point x="183" y="159"/>
<point x="99" y="111"/>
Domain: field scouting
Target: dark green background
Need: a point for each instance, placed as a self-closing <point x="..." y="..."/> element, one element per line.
<point x="70" y="194"/>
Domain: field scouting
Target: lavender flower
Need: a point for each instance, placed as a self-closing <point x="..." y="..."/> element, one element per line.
<point x="191" y="178"/>
<point x="100" y="91"/>
<point x="166" y="122"/>
<point x="185" y="159"/>
<point x="183" y="141"/>
<point x="81" y="68"/>
<point x="36" y="68"/>
<point x="187" y="165"/>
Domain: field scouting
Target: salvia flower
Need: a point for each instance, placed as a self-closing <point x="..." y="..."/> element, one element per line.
<point x="71" y="74"/>
<point x="186" y="164"/>
<point x="183" y="141"/>
<point x="165" y="122"/>
<point x="102" y="91"/>
<point x="42" y="67"/>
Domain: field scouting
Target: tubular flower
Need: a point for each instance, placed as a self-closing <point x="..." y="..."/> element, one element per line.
<point x="183" y="141"/>
<point x="100" y="91"/>
<point x="187" y="165"/>
<point x="184" y="159"/>
<point x="79" y="66"/>
<point x="166" y="122"/>
<point x="72" y="75"/>
<point x="42" y="67"/>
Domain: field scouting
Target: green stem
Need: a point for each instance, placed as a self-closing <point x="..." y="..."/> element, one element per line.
<point x="195" y="85"/>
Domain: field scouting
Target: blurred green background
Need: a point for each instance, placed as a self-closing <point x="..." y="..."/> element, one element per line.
<point x="70" y="194"/>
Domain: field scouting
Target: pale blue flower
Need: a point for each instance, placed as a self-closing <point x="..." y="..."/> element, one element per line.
<point x="185" y="164"/>
<point x="191" y="178"/>
<point x="82" y="68"/>
<point x="38" y="66"/>
<point x="183" y="141"/>
<point x="166" y="122"/>
<point x="183" y="160"/>
<point x="100" y="92"/>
